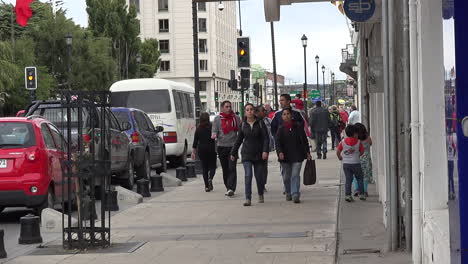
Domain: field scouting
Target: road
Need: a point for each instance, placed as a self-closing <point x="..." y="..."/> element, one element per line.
<point x="10" y="218"/>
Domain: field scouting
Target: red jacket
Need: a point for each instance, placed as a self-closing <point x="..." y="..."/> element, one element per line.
<point x="344" y="116"/>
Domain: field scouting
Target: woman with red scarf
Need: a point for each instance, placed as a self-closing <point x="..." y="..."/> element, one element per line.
<point x="292" y="147"/>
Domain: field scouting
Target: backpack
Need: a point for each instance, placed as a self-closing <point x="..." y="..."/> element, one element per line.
<point x="335" y="119"/>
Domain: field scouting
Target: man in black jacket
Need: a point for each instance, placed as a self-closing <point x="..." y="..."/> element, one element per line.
<point x="285" y="101"/>
<point x="320" y="122"/>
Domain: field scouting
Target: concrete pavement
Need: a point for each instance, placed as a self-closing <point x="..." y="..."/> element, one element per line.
<point x="188" y="225"/>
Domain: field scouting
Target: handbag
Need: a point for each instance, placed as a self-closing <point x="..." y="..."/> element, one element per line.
<point x="310" y="173"/>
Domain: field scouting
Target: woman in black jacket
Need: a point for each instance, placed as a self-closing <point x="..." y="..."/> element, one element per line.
<point x="292" y="148"/>
<point x="253" y="136"/>
<point x="204" y="147"/>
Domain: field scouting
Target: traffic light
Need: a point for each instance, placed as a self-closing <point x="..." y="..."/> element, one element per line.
<point x="233" y="84"/>
<point x="30" y="78"/>
<point x="245" y="79"/>
<point x="243" y="52"/>
<point x="256" y="87"/>
<point x="216" y="96"/>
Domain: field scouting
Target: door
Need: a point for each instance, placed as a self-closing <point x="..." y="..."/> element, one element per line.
<point x="53" y="162"/>
<point x="119" y="143"/>
<point x="61" y="147"/>
<point x="461" y="55"/>
<point x="158" y="140"/>
<point x="149" y="136"/>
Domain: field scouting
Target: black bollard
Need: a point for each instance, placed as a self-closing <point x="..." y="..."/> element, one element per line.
<point x="3" y="253"/>
<point x="191" y="171"/>
<point x="181" y="173"/>
<point x="157" y="184"/>
<point x="143" y="188"/>
<point x="30" y="230"/>
<point x="111" y="203"/>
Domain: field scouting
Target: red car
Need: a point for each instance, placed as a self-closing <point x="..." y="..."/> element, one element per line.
<point x="31" y="152"/>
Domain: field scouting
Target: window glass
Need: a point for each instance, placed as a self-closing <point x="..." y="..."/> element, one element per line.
<point x="164" y="46"/>
<point x="202" y="46"/>
<point x="202" y="25"/>
<point x="16" y="134"/>
<point x="113" y="121"/>
<point x="163" y="25"/>
<point x="59" y="140"/>
<point x="47" y="136"/>
<point x="136" y="3"/>
<point x="202" y="6"/>
<point x="163" y="5"/>
<point x="189" y="104"/>
<point x="141" y="120"/>
<point x="155" y="101"/>
<point x="148" y="120"/>
<point x="178" y="104"/>
<point x="203" y="85"/>
<point x="165" y="66"/>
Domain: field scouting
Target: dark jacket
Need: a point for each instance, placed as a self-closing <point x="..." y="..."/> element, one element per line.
<point x="278" y="120"/>
<point x="292" y="143"/>
<point x="254" y="141"/>
<point x="203" y="141"/>
<point x="320" y="120"/>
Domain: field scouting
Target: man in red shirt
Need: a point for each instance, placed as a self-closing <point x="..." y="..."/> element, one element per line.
<point x="298" y="103"/>
<point x="344" y="117"/>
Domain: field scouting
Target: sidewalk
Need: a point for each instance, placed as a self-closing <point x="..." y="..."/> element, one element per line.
<point x="187" y="225"/>
<point x="362" y="232"/>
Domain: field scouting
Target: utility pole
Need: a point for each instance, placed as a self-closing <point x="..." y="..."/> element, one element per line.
<point x="196" y="73"/>
<point x="275" y="81"/>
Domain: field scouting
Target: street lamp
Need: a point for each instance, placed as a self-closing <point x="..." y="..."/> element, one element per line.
<point x="213" y="76"/>
<point x="138" y="61"/>
<point x="69" y="42"/>
<point x="317" y="59"/>
<point x="333" y="87"/>
<point x="304" y="44"/>
<point x="324" y="90"/>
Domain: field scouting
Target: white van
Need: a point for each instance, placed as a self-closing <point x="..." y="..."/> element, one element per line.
<point x="168" y="104"/>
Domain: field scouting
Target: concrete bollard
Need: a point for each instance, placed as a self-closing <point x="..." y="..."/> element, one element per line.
<point x="143" y="188"/>
<point x="51" y="221"/>
<point x="191" y="171"/>
<point x="157" y="183"/>
<point x="111" y="203"/>
<point x="30" y="230"/>
<point x="3" y="253"/>
<point x="181" y="173"/>
<point x="128" y="196"/>
<point x="170" y="181"/>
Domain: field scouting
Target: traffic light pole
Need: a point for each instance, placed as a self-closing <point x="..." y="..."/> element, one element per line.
<point x="196" y="73"/>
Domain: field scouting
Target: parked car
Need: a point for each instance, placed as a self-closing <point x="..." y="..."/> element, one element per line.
<point x="122" y="166"/>
<point x="31" y="154"/>
<point x="149" y="150"/>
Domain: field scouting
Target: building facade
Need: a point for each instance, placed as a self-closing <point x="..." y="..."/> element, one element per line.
<point x="170" y="22"/>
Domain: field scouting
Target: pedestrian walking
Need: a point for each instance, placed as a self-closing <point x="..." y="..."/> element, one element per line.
<point x="292" y="148"/>
<point x="349" y="150"/>
<point x="336" y="123"/>
<point x="354" y="116"/>
<point x="253" y="136"/>
<point x="451" y="154"/>
<point x="224" y="130"/>
<point x="296" y="116"/>
<point x="270" y="112"/>
<point x="298" y="103"/>
<point x="261" y="113"/>
<point x="366" y="160"/>
<point x="319" y="125"/>
<point x="205" y="149"/>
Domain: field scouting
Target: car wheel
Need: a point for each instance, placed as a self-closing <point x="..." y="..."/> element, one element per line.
<point x="129" y="176"/>
<point x="182" y="160"/>
<point x="144" y="171"/>
<point x="48" y="203"/>
<point x="163" y="167"/>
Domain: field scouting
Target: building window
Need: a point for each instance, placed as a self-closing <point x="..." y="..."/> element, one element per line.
<point x="136" y="3"/>
<point x="203" y="65"/>
<point x="165" y="66"/>
<point x="163" y="25"/>
<point x="202" y="6"/>
<point x="164" y="46"/>
<point x="203" y="46"/>
<point x="202" y="25"/>
<point x="163" y="5"/>
<point x="203" y="86"/>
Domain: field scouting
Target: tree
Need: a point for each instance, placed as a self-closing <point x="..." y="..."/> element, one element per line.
<point x="150" y="54"/>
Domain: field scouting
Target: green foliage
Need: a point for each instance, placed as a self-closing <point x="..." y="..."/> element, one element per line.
<point x="149" y="58"/>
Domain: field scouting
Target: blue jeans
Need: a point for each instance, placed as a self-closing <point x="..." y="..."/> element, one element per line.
<point x="353" y="171"/>
<point x="259" y="177"/>
<point x="292" y="178"/>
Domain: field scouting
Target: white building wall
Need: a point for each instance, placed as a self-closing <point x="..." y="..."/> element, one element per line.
<point x="221" y="41"/>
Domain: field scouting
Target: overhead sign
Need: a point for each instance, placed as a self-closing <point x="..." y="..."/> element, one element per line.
<point x="359" y="10"/>
<point x="315" y="94"/>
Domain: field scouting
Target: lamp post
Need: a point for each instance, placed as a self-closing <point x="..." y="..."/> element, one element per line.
<point x="138" y="61"/>
<point x="69" y="42"/>
<point x="317" y="59"/>
<point x="213" y="76"/>
<point x="333" y="88"/>
<point x="324" y="90"/>
<point x="304" y="44"/>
